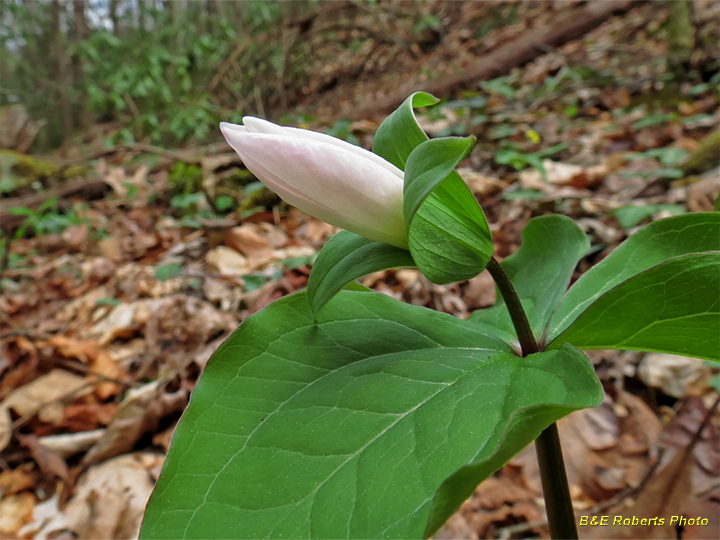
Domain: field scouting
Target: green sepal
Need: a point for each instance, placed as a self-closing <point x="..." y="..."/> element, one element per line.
<point x="400" y="133"/>
<point x="449" y="237"/>
<point x="429" y="164"/>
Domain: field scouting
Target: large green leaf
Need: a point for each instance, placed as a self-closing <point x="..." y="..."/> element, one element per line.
<point x="674" y="307"/>
<point x="349" y="426"/>
<point x="346" y="257"/>
<point x="656" y="243"/>
<point x="540" y="271"/>
<point x="524" y="422"/>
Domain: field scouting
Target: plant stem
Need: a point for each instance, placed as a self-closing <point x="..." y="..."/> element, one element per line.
<point x="558" y="504"/>
<point x="517" y="313"/>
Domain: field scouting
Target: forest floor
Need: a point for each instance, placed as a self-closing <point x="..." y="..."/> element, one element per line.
<point x="112" y="306"/>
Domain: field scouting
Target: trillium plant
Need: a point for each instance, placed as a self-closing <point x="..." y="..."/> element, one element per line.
<point x="338" y="412"/>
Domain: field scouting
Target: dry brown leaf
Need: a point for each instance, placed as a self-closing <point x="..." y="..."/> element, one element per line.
<point x="163" y="438"/>
<point x="679" y="433"/>
<point x="120" y="182"/>
<point x="5" y="427"/>
<point x="16" y="480"/>
<point x="138" y="243"/>
<point x="479" y="183"/>
<point x="110" y="249"/>
<point x="275" y="236"/>
<point x="701" y="195"/>
<point x="480" y="292"/>
<point x="247" y="240"/>
<point x="497" y="492"/>
<point x="50" y="463"/>
<point x="120" y="322"/>
<point x="139" y="413"/>
<point x="98" y="360"/>
<point x="222" y="292"/>
<point x="43" y="396"/>
<point x="499" y="501"/>
<point x="202" y="356"/>
<point x="87" y="415"/>
<point x="664" y="495"/>
<point x="16" y="511"/>
<point x="677" y="376"/>
<point x="45" y="514"/>
<point x="606" y="449"/>
<point x="21" y="356"/>
<point x="227" y="261"/>
<point x="179" y="317"/>
<point x="68" y="444"/>
<point x="76" y="237"/>
<point x="455" y="527"/>
<point x="432" y="126"/>
<point x="292" y="252"/>
<point x="315" y="232"/>
<point x="560" y="174"/>
<point x="674" y="487"/>
<point x="110" y="498"/>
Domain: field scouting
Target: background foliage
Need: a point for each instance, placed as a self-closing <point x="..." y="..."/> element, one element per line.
<point x="149" y="65"/>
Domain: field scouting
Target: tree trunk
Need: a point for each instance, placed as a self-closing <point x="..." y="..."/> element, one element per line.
<point x="60" y="72"/>
<point x="142" y="15"/>
<point x="212" y="13"/>
<point x="113" y="8"/>
<point x="78" y="78"/>
<point x="169" y="7"/>
<point x="681" y="38"/>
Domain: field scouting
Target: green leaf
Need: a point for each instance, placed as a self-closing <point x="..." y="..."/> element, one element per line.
<point x="346" y="257"/>
<point x="428" y="165"/>
<point x="21" y="211"/>
<point x="629" y="216"/>
<point x="525" y="417"/>
<point x="656" y="243"/>
<point x="540" y="271"/>
<point x="528" y="194"/>
<point x="168" y="271"/>
<point x="349" y="426"/>
<point x="399" y="133"/>
<point x="673" y="308"/>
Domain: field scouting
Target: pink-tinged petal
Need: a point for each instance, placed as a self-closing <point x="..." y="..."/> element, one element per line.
<point x="233" y="127"/>
<point x="326" y="180"/>
<point x="258" y="125"/>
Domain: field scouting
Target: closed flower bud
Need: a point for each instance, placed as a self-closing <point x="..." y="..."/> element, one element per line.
<point x="326" y="177"/>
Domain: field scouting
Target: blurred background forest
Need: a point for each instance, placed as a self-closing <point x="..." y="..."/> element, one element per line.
<point x="133" y="240"/>
<point x="158" y="70"/>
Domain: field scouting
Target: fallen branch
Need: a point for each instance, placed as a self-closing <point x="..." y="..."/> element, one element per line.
<point x="572" y="25"/>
